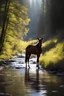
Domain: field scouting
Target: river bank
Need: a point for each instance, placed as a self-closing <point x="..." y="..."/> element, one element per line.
<point x="17" y="80"/>
<point x="18" y="64"/>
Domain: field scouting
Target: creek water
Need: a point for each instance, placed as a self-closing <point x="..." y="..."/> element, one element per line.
<point x="17" y="80"/>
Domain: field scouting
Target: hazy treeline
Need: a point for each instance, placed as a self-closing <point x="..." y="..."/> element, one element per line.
<point x="52" y="18"/>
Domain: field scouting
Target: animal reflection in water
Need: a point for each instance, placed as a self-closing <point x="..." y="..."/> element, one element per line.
<point x="33" y="49"/>
<point x="32" y="79"/>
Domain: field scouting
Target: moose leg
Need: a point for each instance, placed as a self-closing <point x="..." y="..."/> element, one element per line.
<point x="37" y="61"/>
<point x="28" y="60"/>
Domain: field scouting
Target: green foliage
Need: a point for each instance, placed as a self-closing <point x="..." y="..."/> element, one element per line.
<point x="54" y="55"/>
<point x="16" y="29"/>
<point x="18" y="19"/>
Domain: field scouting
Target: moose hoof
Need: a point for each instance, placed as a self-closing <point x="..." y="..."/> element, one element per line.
<point x="37" y="66"/>
<point x="28" y="66"/>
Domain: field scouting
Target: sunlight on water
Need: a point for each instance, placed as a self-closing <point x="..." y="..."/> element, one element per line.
<point x="18" y="80"/>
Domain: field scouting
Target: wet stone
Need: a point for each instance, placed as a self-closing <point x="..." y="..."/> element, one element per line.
<point x="5" y="94"/>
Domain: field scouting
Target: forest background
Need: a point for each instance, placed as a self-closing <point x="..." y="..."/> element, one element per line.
<point x="14" y="26"/>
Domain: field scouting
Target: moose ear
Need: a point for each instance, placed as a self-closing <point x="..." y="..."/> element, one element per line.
<point x="42" y="38"/>
<point x="38" y="38"/>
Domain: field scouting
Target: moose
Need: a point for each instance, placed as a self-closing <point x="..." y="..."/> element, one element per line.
<point x="33" y="49"/>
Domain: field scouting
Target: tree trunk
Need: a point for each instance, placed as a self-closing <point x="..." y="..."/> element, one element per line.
<point x="5" y="24"/>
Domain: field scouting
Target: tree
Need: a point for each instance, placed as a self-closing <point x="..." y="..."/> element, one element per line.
<point x="5" y="23"/>
<point x="16" y="28"/>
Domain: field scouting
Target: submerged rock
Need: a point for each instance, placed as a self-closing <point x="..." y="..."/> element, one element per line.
<point x="1" y="68"/>
<point x="5" y="94"/>
<point x="60" y="74"/>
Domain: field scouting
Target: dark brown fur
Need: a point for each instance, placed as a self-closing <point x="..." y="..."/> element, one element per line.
<point x="31" y="49"/>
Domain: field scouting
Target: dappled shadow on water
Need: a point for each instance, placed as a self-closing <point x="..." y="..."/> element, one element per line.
<point x="11" y="83"/>
<point x="43" y="84"/>
<point x="32" y="79"/>
<point x="30" y="82"/>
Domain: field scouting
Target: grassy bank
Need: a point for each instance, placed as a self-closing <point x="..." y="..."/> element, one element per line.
<point x="9" y="50"/>
<point x="53" y="55"/>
